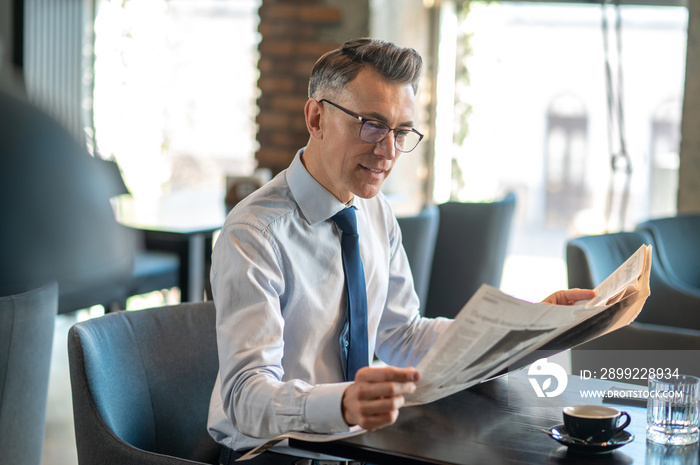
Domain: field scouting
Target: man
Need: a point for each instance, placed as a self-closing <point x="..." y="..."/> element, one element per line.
<point x="278" y="278"/>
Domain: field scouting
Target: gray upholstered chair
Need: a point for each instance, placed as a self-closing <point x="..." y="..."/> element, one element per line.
<point x="470" y="250"/>
<point x="26" y="338"/>
<point x="419" y="234"/>
<point x="57" y="222"/>
<point x="153" y="270"/>
<point x="590" y="259"/>
<point x="669" y="320"/>
<point x="141" y="384"/>
<point x="677" y="240"/>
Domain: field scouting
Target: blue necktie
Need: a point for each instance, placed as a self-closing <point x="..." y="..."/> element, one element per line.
<point x="357" y="342"/>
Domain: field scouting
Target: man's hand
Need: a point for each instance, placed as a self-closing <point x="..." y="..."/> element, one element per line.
<point x="373" y="400"/>
<point x="569" y="296"/>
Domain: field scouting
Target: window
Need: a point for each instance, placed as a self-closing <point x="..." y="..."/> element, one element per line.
<point x="175" y="90"/>
<point x="531" y="115"/>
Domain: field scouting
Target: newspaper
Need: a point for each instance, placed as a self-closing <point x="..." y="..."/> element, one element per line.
<point x="310" y="437"/>
<point x="495" y="331"/>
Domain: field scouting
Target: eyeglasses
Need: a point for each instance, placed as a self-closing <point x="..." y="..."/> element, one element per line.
<point x="373" y="131"/>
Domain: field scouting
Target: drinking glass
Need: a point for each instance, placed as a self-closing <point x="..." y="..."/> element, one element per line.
<point x="672" y="410"/>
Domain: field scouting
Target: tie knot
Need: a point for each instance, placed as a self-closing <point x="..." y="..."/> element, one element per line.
<point x="346" y="220"/>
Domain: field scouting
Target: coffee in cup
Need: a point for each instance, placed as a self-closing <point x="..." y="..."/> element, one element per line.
<point x="594" y="423"/>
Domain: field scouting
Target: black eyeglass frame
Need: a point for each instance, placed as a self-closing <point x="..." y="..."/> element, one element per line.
<point x="364" y="120"/>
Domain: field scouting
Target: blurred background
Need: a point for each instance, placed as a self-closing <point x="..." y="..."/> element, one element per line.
<point x="531" y="97"/>
<point x="585" y="110"/>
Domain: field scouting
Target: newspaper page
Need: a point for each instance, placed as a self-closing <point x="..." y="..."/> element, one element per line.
<point x="310" y="437"/>
<point x="493" y="326"/>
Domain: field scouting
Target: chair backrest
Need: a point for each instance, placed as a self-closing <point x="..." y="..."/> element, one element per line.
<point x="470" y="250"/>
<point x="57" y="222"/>
<point x="153" y="269"/>
<point x="26" y="338"/>
<point x="676" y="239"/>
<point x="418" y="235"/>
<point x="141" y="384"/>
<point x="590" y="259"/>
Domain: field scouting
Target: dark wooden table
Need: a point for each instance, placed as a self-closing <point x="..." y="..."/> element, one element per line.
<point x="497" y="422"/>
<point x="183" y="222"/>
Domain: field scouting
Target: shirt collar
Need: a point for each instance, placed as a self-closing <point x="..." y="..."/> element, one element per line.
<point x="315" y="201"/>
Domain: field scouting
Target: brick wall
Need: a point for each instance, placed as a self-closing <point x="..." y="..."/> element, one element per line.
<point x="291" y="42"/>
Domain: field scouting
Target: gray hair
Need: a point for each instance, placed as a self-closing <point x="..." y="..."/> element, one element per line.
<point x="335" y="69"/>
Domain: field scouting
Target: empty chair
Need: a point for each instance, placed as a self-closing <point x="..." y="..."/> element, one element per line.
<point x="57" y="222"/>
<point x="418" y="235"/>
<point x="26" y="338"/>
<point x="669" y="319"/>
<point x="470" y="250"/>
<point x="153" y="270"/>
<point x="141" y="385"/>
<point x="590" y="259"/>
<point x="676" y="239"/>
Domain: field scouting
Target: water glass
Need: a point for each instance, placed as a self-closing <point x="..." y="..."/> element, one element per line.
<point x="672" y="410"/>
<point x="664" y="454"/>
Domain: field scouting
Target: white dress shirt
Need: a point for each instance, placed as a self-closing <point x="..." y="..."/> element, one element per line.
<point x="278" y="284"/>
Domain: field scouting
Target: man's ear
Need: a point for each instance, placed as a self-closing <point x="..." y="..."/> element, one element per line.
<point x="312" y="112"/>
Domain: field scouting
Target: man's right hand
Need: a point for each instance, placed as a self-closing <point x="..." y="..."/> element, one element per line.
<point x="373" y="400"/>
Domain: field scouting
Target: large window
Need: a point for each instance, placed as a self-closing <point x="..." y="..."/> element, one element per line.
<point x="175" y="90"/>
<point x="536" y="114"/>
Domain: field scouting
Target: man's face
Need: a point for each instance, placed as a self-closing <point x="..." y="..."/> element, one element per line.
<point x="348" y="165"/>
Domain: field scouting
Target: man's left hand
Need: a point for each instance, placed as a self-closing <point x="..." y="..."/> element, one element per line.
<point x="569" y="296"/>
